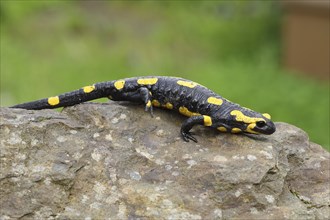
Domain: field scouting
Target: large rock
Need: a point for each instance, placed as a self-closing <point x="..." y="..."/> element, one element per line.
<point x="97" y="161"/>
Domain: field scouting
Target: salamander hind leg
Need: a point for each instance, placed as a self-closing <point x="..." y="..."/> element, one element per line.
<point x="145" y="95"/>
<point x="142" y="94"/>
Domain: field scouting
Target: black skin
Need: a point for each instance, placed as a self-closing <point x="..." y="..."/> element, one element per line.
<point x="190" y="96"/>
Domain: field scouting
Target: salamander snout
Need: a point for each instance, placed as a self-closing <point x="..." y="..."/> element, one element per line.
<point x="264" y="127"/>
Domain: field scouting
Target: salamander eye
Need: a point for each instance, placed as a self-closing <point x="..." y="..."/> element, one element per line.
<point x="261" y="124"/>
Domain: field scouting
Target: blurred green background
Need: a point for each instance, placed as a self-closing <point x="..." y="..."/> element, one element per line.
<point x="232" y="47"/>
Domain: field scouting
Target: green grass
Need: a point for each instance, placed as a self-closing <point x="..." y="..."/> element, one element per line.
<point x="50" y="47"/>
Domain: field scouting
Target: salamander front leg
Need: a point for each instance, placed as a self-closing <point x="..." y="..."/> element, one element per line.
<point x="188" y="124"/>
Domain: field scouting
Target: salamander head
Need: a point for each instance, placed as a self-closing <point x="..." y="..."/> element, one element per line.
<point x="265" y="126"/>
<point x="248" y="121"/>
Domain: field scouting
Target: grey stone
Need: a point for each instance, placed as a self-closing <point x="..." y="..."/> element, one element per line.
<point x="114" y="161"/>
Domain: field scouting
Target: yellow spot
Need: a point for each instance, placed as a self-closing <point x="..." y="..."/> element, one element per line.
<point x="222" y="129"/>
<point x="53" y="100"/>
<point x="119" y="84"/>
<point x="236" y="130"/>
<point x="147" y="81"/>
<point x="250" y="128"/>
<point x="246" y="119"/>
<point x="266" y="115"/>
<point x="207" y="120"/>
<point x="183" y="110"/>
<point x="148" y="104"/>
<point x="155" y="103"/>
<point x="214" y="100"/>
<point x="168" y="105"/>
<point x="88" y="89"/>
<point x="187" y="83"/>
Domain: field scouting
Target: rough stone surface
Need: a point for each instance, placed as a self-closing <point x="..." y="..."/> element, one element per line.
<point x="113" y="161"/>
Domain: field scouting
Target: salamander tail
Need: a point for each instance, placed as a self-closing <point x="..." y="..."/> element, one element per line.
<point x="84" y="94"/>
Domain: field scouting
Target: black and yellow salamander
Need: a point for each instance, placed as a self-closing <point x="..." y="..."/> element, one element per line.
<point x="201" y="105"/>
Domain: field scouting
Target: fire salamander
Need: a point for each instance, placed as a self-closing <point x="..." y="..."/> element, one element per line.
<point x="198" y="103"/>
